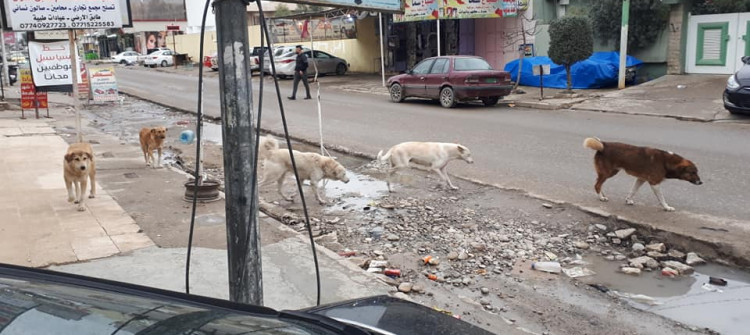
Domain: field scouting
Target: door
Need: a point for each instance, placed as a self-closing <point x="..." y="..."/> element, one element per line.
<point x="712" y="44"/>
<point x="414" y="83"/>
<point x="437" y="76"/>
<point x="325" y="62"/>
<point x="743" y="39"/>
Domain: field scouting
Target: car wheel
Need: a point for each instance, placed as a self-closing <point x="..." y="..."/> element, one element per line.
<point x="491" y="101"/>
<point x="397" y="93"/>
<point x="340" y="69"/>
<point x="124" y="62"/>
<point x="163" y="63"/>
<point x="153" y="66"/>
<point x="447" y="97"/>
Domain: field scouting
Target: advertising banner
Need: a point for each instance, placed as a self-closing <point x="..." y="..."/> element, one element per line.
<point x="29" y="96"/>
<point x="420" y="10"/>
<point x="69" y="14"/>
<point x="103" y="84"/>
<point x="50" y="64"/>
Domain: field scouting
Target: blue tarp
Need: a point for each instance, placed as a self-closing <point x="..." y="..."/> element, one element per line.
<point x="598" y="71"/>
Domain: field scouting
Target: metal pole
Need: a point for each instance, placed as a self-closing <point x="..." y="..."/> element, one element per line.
<point x="5" y="63"/>
<point x="623" y="43"/>
<point x="438" y="37"/>
<point x="243" y="236"/>
<point x="74" y="72"/>
<point x="382" y="57"/>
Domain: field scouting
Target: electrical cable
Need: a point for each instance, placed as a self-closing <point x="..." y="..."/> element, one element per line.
<point x="198" y="130"/>
<point x="264" y="27"/>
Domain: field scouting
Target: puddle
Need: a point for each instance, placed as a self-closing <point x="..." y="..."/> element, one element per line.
<point x="358" y="194"/>
<point x="687" y="299"/>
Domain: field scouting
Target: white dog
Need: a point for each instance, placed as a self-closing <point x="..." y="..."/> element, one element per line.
<point x="429" y="154"/>
<point x="310" y="166"/>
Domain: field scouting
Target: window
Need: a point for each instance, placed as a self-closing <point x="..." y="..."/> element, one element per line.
<point x="321" y="55"/>
<point x="423" y="67"/>
<point x="471" y="64"/>
<point x="441" y="66"/>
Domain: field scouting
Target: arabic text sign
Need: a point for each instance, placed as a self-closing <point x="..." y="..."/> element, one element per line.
<point x="69" y="14"/>
<point x="103" y="84"/>
<point x="50" y="63"/>
<point x="30" y="98"/>
<point x="392" y="6"/>
<point x="420" y="10"/>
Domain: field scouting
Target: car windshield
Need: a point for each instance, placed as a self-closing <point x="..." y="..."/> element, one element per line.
<point x="470" y="64"/>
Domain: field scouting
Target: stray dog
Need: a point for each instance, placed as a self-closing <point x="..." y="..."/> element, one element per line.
<point x="152" y="139"/>
<point x="310" y="166"/>
<point x="78" y="167"/>
<point x="429" y="154"/>
<point x="644" y="163"/>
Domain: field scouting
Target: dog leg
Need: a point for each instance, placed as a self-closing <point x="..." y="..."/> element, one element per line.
<point x="158" y="164"/>
<point x="636" y="185"/>
<point x="314" y="188"/>
<point x="78" y="191"/>
<point x="279" y="183"/>
<point x="145" y="156"/>
<point x="445" y="177"/>
<point x="69" y="186"/>
<point x="389" y="177"/>
<point x="660" y="196"/>
<point x="92" y="175"/>
<point x="82" y="196"/>
<point x="598" y="187"/>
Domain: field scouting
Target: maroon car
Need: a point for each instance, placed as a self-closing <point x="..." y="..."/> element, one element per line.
<point x="451" y="79"/>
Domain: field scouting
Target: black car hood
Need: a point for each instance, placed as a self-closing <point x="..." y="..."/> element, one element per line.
<point x="397" y="316"/>
<point x="743" y="75"/>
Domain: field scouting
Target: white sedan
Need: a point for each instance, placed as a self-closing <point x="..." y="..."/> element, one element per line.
<point x="125" y="58"/>
<point x="161" y="58"/>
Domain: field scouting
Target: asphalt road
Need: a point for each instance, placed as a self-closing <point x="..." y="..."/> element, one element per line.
<point x="536" y="151"/>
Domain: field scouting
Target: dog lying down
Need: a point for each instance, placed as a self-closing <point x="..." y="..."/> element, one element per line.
<point x="644" y="163"/>
<point x="432" y="155"/>
<point x="310" y="166"/>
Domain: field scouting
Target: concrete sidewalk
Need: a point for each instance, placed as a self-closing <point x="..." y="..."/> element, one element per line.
<point x="39" y="227"/>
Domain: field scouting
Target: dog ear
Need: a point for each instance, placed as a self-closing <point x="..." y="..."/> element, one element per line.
<point x="165" y="129"/>
<point x="153" y="130"/>
<point x="461" y="148"/>
<point x="68" y="158"/>
<point x="89" y="155"/>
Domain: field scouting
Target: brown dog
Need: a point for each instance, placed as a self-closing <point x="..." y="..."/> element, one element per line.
<point x="152" y="139"/>
<point x="644" y="163"/>
<point x="78" y="167"/>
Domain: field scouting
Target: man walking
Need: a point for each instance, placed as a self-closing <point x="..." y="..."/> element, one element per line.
<point x="300" y="72"/>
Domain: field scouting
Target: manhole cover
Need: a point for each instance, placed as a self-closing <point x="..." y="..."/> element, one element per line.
<point x="131" y="175"/>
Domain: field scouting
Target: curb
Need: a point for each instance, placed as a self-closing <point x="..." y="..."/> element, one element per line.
<point x="676" y="117"/>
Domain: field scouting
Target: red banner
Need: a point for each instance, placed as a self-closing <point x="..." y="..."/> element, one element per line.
<point x="30" y="98"/>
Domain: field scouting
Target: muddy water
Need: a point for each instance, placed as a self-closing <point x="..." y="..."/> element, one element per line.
<point x="688" y="299"/>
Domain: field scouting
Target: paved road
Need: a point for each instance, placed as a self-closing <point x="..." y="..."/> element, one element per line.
<point x="536" y="151"/>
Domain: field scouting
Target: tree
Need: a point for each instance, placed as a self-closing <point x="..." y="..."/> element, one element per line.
<point x="571" y="41"/>
<point x="647" y="21"/>
<point x="701" y="7"/>
<point x="282" y="10"/>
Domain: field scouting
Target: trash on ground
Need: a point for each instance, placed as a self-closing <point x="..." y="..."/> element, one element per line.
<point x="551" y="267"/>
<point x="711" y="288"/>
<point x="644" y="299"/>
<point x="717" y="281"/>
<point x="578" y="272"/>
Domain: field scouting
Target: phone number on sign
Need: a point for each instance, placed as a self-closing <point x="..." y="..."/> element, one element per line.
<point x="63" y="25"/>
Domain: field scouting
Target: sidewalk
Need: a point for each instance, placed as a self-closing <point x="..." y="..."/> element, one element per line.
<point x="136" y="229"/>
<point x="39" y="227"/>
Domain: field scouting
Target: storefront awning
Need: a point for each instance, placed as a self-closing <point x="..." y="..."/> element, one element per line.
<point x="422" y="10"/>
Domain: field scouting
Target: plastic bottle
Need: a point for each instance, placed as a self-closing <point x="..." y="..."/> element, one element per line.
<point x="551" y="267"/>
<point x="187" y="136"/>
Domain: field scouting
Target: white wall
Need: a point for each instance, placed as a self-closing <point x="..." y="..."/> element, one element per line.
<point x="194" y="10"/>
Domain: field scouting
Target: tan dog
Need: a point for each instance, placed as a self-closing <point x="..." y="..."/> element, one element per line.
<point x="78" y="168"/>
<point x="152" y="139"/>
<point x="310" y="166"/>
<point x="429" y="154"/>
<point x="644" y="163"/>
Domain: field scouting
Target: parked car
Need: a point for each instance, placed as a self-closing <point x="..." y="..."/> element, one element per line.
<point x="277" y="52"/>
<point x="326" y="63"/>
<point x="255" y="57"/>
<point x="38" y="301"/>
<point x="211" y="62"/>
<point x="161" y="58"/>
<point x="125" y="58"/>
<point x="737" y="92"/>
<point x="451" y="79"/>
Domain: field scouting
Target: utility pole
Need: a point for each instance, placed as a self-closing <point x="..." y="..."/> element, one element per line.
<point x="623" y="43"/>
<point x="6" y="76"/>
<point x="238" y="135"/>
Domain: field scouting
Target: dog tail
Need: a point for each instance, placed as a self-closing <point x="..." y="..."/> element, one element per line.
<point x="593" y="143"/>
<point x="385" y="157"/>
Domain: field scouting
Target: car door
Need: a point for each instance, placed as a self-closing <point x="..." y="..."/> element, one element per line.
<point x="414" y="82"/>
<point x="436" y="77"/>
<point x="324" y="60"/>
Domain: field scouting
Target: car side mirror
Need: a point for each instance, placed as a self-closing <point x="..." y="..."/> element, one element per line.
<point x="410" y="71"/>
<point x="745" y="59"/>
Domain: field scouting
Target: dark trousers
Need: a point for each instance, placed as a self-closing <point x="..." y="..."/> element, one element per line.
<point x="297" y="78"/>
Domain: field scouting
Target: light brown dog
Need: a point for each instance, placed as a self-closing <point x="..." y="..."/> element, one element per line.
<point x="310" y="166"/>
<point x="644" y="163"/>
<point x="78" y="168"/>
<point x="152" y="139"/>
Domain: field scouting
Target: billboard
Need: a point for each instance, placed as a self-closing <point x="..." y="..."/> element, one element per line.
<point x="51" y="65"/>
<point x="387" y="6"/>
<point x="420" y="10"/>
<point x="30" y="15"/>
<point x="299" y="30"/>
<point x="158" y="10"/>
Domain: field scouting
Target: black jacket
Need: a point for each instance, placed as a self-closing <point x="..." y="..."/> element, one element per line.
<point x="301" y="62"/>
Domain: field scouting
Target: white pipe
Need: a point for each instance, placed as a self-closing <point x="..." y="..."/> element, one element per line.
<point x="438" y="37"/>
<point x="382" y="57"/>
